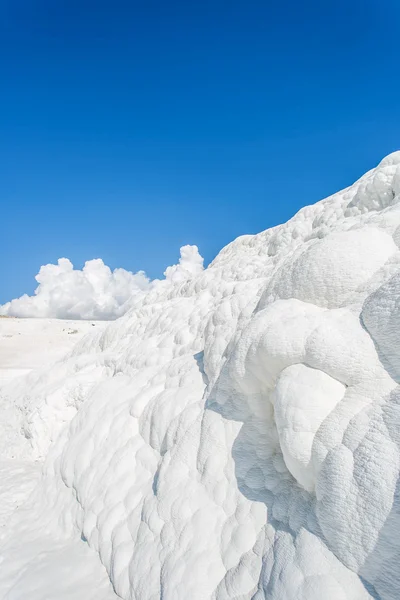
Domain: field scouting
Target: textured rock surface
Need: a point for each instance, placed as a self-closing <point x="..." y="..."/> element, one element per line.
<point x="233" y="437"/>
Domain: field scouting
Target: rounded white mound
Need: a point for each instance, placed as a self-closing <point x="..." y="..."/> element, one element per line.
<point x="303" y="399"/>
<point x="235" y="436"/>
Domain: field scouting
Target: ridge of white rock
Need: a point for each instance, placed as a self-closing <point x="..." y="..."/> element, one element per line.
<point x="235" y="436"/>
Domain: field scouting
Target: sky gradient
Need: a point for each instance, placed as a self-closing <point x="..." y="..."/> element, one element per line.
<point x="129" y="129"/>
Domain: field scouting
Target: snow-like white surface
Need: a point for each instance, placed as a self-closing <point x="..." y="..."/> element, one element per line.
<point x="95" y="292"/>
<point x="27" y="344"/>
<point x="234" y="436"/>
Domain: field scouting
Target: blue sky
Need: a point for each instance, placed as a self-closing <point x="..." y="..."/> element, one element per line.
<point x="131" y="128"/>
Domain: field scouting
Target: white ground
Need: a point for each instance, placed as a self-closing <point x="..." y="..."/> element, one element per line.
<point x="234" y="436"/>
<point x="27" y="344"/>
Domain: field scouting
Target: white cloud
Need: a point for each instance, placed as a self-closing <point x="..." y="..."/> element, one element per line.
<point x="190" y="265"/>
<point x="95" y="292"/>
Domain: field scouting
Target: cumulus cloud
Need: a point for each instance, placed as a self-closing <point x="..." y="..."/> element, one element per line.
<point x="190" y="265"/>
<point x="94" y="292"/>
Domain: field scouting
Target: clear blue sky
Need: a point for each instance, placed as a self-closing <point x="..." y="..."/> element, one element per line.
<point x="131" y="128"/>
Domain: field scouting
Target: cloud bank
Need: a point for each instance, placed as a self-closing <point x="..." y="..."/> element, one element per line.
<point x="94" y="292"/>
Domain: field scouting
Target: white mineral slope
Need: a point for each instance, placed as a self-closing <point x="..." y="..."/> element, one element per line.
<point x="27" y="345"/>
<point x="233" y="437"/>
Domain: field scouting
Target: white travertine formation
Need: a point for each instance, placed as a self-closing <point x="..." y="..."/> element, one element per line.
<point x="235" y="436"/>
